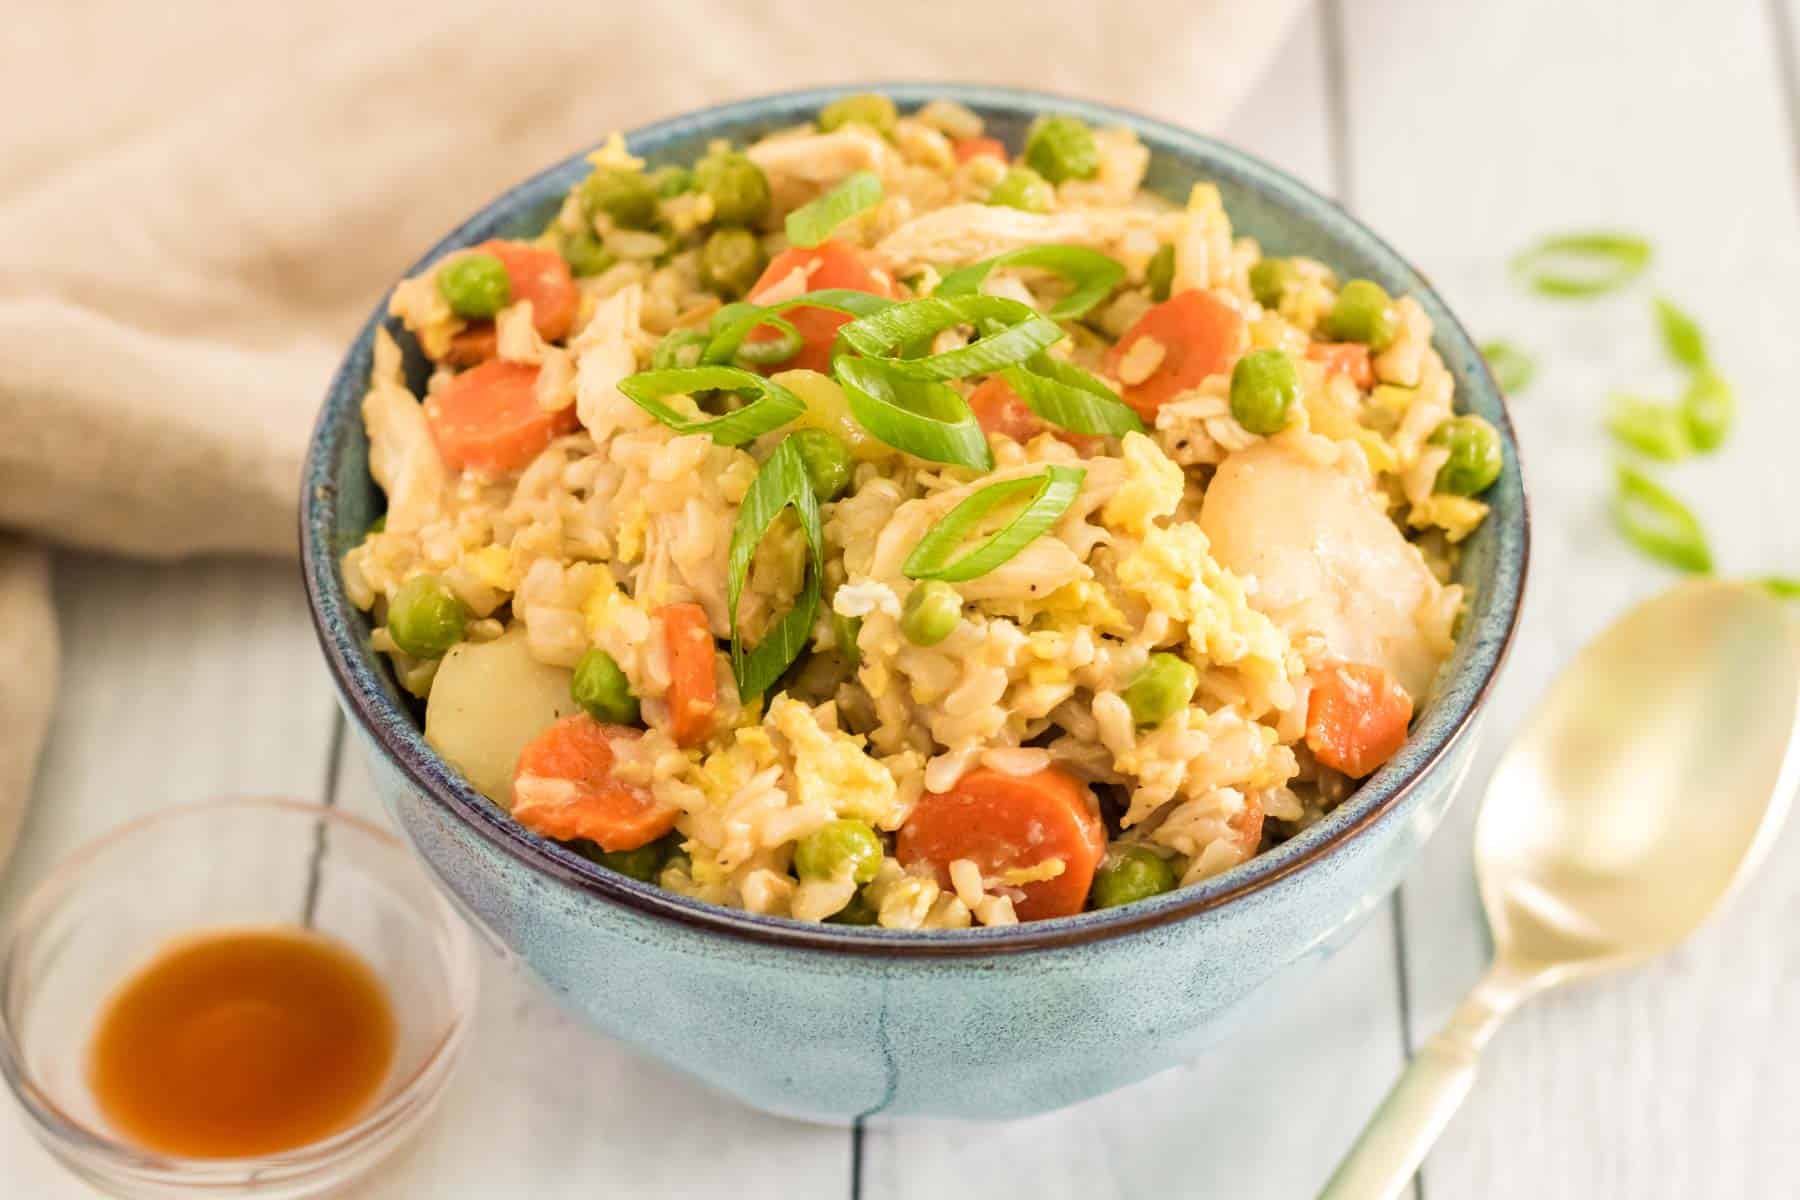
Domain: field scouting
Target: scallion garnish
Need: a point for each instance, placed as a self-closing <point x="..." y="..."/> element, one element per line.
<point x="681" y="348"/>
<point x="1657" y="523"/>
<point x="1513" y="368"/>
<point x="813" y="221"/>
<point x="769" y="351"/>
<point x="1649" y="427"/>
<point x="781" y="483"/>
<point x="1050" y="496"/>
<point x="1680" y="334"/>
<point x="1707" y="407"/>
<point x="1092" y="276"/>
<point x="1070" y="398"/>
<point x="1575" y="265"/>
<point x="732" y="324"/>
<point x="923" y="417"/>
<point x="773" y="406"/>
<point x="1782" y="587"/>
<point x="1016" y="333"/>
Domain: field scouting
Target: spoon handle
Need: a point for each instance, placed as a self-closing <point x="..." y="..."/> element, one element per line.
<point x="1424" y="1098"/>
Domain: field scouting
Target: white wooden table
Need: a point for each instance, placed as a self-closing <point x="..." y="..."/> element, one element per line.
<point x="1459" y="130"/>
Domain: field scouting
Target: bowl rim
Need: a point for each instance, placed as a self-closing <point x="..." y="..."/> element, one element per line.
<point x="96" y="1153"/>
<point x="1460" y="695"/>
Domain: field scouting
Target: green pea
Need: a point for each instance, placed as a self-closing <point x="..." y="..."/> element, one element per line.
<point x="475" y="285"/>
<point x="642" y="864"/>
<point x="1475" y="456"/>
<point x="1024" y="189"/>
<point x="623" y="194"/>
<point x="827" y="462"/>
<point x="931" y="613"/>
<point x="1163" y="687"/>
<point x="671" y="181"/>
<point x="583" y="252"/>
<point x="1265" y="384"/>
<point x="1060" y="148"/>
<point x="1130" y="874"/>
<point x="875" y="111"/>
<point x="858" y="912"/>
<point x="379" y="524"/>
<point x="730" y="261"/>
<point x="839" y="847"/>
<point x="425" y="618"/>
<point x="1270" y="279"/>
<point x="602" y="690"/>
<point x="737" y="186"/>
<point x="1363" y="313"/>
<point x="1159" y="275"/>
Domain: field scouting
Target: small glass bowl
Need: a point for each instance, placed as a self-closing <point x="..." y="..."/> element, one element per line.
<point x="223" y="864"/>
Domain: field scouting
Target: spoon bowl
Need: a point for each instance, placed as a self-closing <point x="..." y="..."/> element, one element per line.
<point x="1646" y="786"/>
<point x="1641" y="793"/>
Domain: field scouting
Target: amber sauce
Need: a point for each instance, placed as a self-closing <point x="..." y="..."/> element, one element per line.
<point x="242" y="1042"/>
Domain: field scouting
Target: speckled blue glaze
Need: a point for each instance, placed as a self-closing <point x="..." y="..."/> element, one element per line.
<point x="830" y="1023"/>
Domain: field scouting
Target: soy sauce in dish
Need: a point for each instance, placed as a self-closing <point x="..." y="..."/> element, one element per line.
<point x="239" y="1042"/>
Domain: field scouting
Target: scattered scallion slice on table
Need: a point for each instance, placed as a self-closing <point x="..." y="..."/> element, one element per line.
<point x="1092" y="276"/>
<point x="773" y="406"/>
<point x="813" y="221"/>
<point x="1070" y="398"/>
<point x="1707" y="408"/>
<point x="1576" y="265"/>
<point x="1050" y="494"/>
<point x="1782" y="586"/>
<point x="1014" y="333"/>
<point x="781" y="483"/>
<point x="1680" y="334"/>
<point x="1657" y="430"/>
<point x="732" y="324"/>
<point x="1656" y="522"/>
<point x="1513" y="368"/>
<point x="923" y="417"/>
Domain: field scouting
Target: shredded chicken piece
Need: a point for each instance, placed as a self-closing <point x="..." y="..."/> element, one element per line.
<point x="606" y="352"/>
<point x="801" y="166"/>
<point x="966" y="233"/>
<point x="403" y="458"/>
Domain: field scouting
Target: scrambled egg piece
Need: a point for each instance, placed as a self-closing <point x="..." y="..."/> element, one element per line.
<point x="1175" y="572"/>
<point x="833" y="771"/>
<point x="1152" y="488"/>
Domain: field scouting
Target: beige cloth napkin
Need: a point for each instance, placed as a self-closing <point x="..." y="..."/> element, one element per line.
<point x="200" y="201"/>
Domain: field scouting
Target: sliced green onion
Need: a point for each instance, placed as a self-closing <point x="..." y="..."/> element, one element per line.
<point x="923" y="417"/>
<point x="1657" y="523"/>
<point x="729" y="331"/>
<point x="1680" y="334"/>
<point x="1781" y="586"/>
<point x="1574" y="265"/>
<point x="813" y="221"/>
<point x="681" y="348"/>
<point x="1513" y="368"/>
<point x="769" y="351"/>
<point x="1019" y="333"/>
<point x="1092" y="275"/>
<point x="1070" y="398"/>
<point x="781" y="483"/>
<point x="773" y="407"/>
<point x="1707" y="407"/>
<point x="1051" y="494"/>
<point x="1651" y="428"/>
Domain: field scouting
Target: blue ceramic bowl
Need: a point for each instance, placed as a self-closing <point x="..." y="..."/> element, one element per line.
<point x="829" y="1022"/>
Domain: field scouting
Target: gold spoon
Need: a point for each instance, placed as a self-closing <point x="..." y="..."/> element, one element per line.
<point x="1642" y="792"/>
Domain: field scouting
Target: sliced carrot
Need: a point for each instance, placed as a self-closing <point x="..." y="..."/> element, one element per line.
<point x="975" y="147"/>
<point x="1344" y="358"/>
<point x="488" y="418"/>
<point x="1200" y="335"/>
<point x="535" y="274"/>
<point x="564" y="788"/>
<point x="693" y="687"/>
<point x="1008" y="822"/>
<point x="1247" y="826"/>
<point x="998" y="409"/>
<point x="1356" y="717"/>
<point x="830" y="264"/>
<point x="542" y="277"/>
